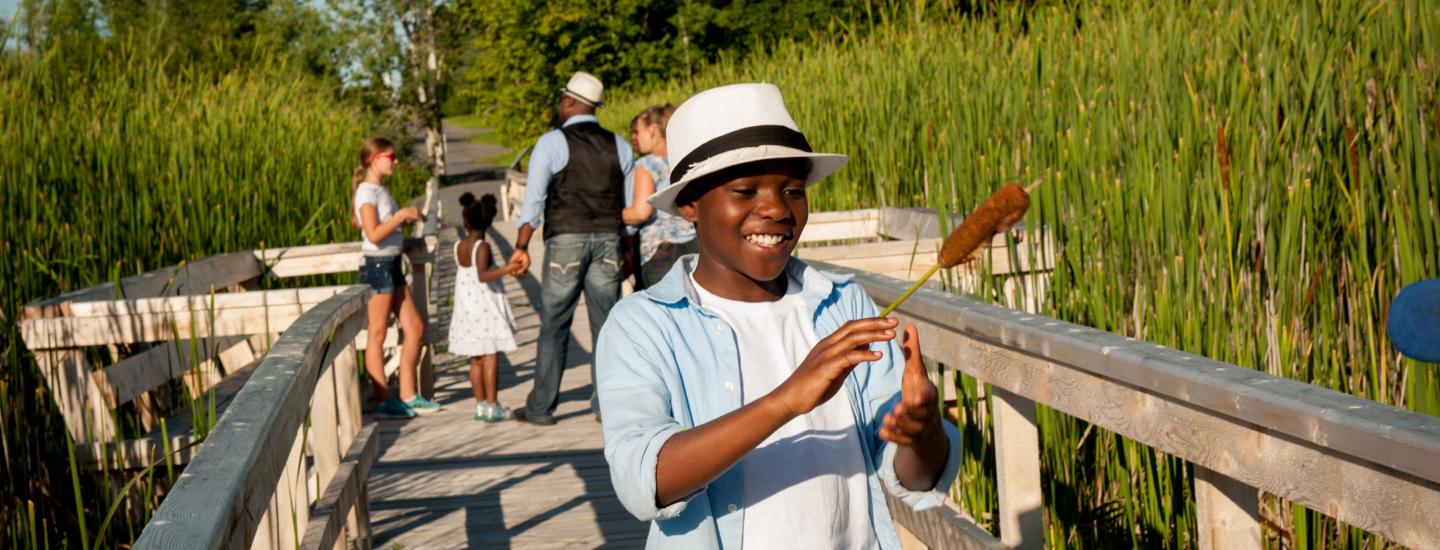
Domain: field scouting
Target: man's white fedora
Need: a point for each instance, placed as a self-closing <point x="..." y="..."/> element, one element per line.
<point x="732" y="125"/>
<point x="586" y="87"/>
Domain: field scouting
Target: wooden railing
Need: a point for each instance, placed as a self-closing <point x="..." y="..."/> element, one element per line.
<point x="286" y="461"/>
<point x="251" y="480"/>
<point x="197" y="322"/>
<point x="1370" y="465"/>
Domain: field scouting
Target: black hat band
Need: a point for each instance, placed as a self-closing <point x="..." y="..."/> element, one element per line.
<point x="753" y="136"/>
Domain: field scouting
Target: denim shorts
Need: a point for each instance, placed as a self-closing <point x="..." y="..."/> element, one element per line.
<point x="382" y="273"/>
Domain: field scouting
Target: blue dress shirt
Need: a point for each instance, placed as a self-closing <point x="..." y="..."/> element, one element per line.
<point x="550" y="155"/>
<point x="663" y="365"/>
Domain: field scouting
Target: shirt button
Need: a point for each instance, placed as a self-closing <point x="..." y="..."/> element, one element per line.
<point x="719" y="329"/>
<point x="731" y="508"/>
<point x="729" y="387"/>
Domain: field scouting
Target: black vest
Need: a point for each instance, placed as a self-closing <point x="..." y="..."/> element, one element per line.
<point x="589" y="193"/>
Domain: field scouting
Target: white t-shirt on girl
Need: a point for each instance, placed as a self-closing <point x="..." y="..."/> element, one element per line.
<point x="805" y="485"/>
<point x="385" y="206"/>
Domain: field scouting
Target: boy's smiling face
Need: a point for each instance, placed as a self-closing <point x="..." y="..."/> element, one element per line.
<point x="747" y="226"/>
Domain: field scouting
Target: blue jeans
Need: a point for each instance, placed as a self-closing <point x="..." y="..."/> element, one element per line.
<point x="573" y="261"/>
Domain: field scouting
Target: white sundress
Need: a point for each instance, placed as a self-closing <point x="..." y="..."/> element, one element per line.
<point x="480" y="321"/>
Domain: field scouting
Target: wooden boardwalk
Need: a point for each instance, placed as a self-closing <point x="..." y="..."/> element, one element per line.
<point x="448" y="481"/>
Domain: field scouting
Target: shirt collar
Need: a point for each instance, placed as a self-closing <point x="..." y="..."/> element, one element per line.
<point x="677" y="286"/>
<point x="578" y="119"/>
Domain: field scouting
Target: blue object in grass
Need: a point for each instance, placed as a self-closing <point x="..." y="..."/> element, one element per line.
<point x="1414" y="322"/>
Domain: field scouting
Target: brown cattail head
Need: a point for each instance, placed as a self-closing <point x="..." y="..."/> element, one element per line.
<point x="996" y="214"/>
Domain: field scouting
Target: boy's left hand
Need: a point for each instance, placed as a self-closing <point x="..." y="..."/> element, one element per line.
<point x="915" y="418"/>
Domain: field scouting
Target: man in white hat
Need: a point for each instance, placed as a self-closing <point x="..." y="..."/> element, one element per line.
<point x="576" y="188"/>
<point x="750" y="400"/>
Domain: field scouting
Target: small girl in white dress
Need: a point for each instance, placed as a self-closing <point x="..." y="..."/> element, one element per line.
<point x="481" y="324"/>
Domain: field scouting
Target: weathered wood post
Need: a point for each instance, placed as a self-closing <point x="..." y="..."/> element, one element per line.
<point x="1228" y="512"/>
<point x="1017" y="470"/>
<point x="420" y="291"/>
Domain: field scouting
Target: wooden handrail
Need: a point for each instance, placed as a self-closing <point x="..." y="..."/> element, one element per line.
<point x="1368" y="464"/>
<point x="245" y="472"/>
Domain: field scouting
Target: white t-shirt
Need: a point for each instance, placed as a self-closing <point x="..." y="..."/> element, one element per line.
<point x="805" y="485"/>
<point x="385" y="206"/>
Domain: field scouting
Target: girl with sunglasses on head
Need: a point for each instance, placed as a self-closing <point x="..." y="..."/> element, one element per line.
<point x="379" y="218"/>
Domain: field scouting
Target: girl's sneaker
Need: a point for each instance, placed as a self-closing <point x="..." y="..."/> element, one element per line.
<point x="394" y="408"/>
<point x="421" y="405"/>
<point x="482" y="412"/>
<point x="498" y="413"/>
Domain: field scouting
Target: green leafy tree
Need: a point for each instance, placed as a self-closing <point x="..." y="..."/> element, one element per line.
<point x="522" y="51"/>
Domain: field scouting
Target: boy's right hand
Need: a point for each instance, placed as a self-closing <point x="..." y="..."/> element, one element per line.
<point x="822" y="373"/>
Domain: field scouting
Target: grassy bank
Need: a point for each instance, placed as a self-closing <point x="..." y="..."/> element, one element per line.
<point x="115" y="165"/>
<point x="1249" y="182"/>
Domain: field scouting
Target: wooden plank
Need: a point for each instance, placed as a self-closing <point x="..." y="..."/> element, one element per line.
<point x="163" y="319"/>
<point x="942" y="528"/>
<point x="215" y="273"/>
<point x="838" y="231"/>
<point x="315" y="265"/>
<point x="327" y="520"/>
<point x="270" y="255"/>
<point x="80" y="400"/>
<point x="205" y="303"/>
<point x="347" y="398"/>
<point x="286" y="516"/>
<point x="512" y="192"/>
<point x="1227" y="512"/>
<point x="328" y="435"/>
<point x="842" y="216"/>
<point x="167" y="361"/>
<point x="925" y="248"/>
<point x="139" y="453"/>
<point x="425" y="367"/>
<point x="324" y="426"/>
<point x="232" y="479"/>
<point x="1017" y="471"/>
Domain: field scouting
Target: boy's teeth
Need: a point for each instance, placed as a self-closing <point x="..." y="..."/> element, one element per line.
<point x="765" y="240"/>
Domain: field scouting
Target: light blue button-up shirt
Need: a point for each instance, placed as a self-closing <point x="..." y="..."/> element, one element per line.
<point x="549" y="156"/>
<point x="663" y="365"/>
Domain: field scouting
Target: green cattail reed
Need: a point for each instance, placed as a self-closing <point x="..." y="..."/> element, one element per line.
<point x="116" y="165"/>
<point x="1250" y="182"/>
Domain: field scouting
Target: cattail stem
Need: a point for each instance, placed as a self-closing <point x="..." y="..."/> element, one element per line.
<point x="910" y="290"/>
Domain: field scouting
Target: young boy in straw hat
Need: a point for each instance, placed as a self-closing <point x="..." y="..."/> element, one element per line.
<point x="747" y="397"/>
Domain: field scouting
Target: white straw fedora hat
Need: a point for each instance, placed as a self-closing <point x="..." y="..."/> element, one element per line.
<point x="732" y="125"/>
<point x="586" y="87"/>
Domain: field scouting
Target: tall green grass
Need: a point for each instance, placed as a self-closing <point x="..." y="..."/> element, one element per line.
<point x="1248" y="181"/>
<point x="115" y="164"/>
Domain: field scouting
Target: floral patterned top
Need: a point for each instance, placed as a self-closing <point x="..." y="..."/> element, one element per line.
<point x="664" y="227"/>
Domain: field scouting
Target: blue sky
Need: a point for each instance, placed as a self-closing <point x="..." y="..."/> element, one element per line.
<point x="7" y="12"/>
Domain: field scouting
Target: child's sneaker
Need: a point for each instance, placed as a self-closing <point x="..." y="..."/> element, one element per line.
<point x="394" y="408"/>
<point x="498" y="413"/>
<point x="421" y="405"/>
<point x="482" y="412"/>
